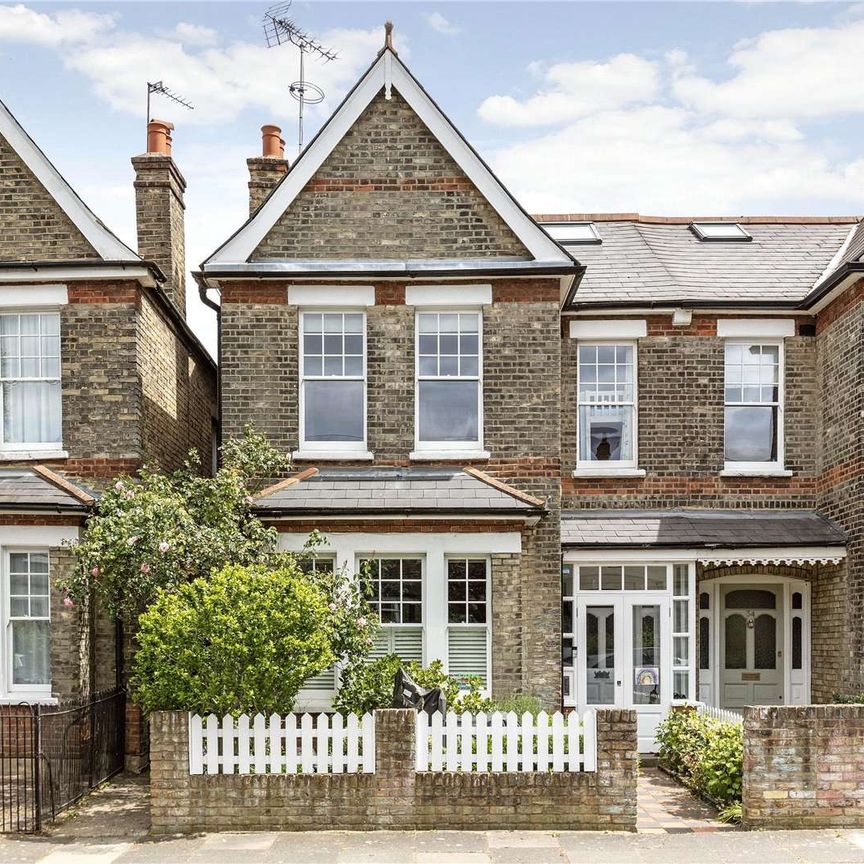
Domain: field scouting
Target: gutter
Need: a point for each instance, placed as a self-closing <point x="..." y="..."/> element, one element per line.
<point x="851" y="268"/>
<point x="408" y="513"/>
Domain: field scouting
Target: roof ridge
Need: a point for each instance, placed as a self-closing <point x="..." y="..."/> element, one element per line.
<point x="504" y="487"/>
<point x="644" y="219"/>
<point x="299" y="477"/>
<point x="62" y="483"/>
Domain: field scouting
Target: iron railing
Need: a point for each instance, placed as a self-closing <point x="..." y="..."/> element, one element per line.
<point x="52" y="755"/>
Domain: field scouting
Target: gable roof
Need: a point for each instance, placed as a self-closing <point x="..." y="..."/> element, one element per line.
<point x="650" y="261"/>
<point x="387" y="73"/>
<point x="103" y="241"/>
<point x="397" y="491"/>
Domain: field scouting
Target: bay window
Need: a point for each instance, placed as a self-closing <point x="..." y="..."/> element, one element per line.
<point x="333" y="381"/>
<point x="468" y="618"/>
<point x="449" y="390"/>
<point x="753" y="413"/>
<point x="27" y="612"/>
<point x="606" y="420"/>
<point x="30" y="381"/>
<point x="396" y="585"/>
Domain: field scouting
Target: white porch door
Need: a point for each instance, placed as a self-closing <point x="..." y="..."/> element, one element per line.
<point x="751" y="645"/>
<point x="599" y="652"/>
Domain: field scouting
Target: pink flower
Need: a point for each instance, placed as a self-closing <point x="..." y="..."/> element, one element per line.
<point x="249" y="500"/>
<point x="68" y="602"/>
<point x="94" y="572"/>
<point x="164" y="547"/>
<point x="332" y="607"/>
<point x="361" y="622"/>
<point x="145" y="567"/>
<point x="119" y="486"/>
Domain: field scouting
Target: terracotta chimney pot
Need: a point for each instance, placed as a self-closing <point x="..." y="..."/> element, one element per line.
<point x="272" y="143"/>
<point x="159" y="137"/>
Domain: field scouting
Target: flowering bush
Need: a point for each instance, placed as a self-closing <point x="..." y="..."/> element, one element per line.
<point x="242" y="640"/>
<point x="158" y="531"/>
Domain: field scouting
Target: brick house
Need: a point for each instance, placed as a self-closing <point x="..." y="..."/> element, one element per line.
<point x="99" y="372"/>
<point x="607" y="460"/>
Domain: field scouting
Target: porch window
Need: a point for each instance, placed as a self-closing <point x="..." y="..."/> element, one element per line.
<point x="396" y="585"/>
<point x="467" y="618"/>
<point x="606" y="414"/>
<point x="682" y="638"/>
<point x="30" y="380"/>
<point x="754" y="405"/>
<point x="28" y="641"/>
<point x="449" y="381"/>
<point x="333" y="381"/>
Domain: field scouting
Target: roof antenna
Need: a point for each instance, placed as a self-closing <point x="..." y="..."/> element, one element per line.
<point x="159" y="88"/>
<point x="280" y="29"/>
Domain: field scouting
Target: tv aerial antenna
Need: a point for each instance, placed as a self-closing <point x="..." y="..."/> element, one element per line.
<point x="159" y="88"/>
<point x="280" y="29"/>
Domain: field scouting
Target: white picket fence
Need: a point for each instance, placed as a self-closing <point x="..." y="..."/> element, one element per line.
<point x="507" y="742"/>
<point x="293" y="744"/>
<point x="723" y="714"/>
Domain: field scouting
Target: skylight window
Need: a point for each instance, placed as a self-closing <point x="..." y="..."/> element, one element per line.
<point x="719" y="231"/>
<point x="568" y="233"/>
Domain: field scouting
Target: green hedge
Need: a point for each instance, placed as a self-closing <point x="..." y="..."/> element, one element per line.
<point x="707" y="754"/>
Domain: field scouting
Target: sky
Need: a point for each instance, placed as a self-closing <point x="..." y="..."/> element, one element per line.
<point x="684" y="108"/>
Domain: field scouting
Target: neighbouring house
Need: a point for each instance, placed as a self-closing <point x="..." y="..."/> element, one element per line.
<point x="99" y="372"/>
<point x="609" y="460"/>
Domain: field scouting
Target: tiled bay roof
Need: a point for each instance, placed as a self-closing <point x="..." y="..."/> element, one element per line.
<point x="394" y="490"/>
<point x="697" y="528"/>
<point x="38" y="489"/>
<point x="642" y="260"/>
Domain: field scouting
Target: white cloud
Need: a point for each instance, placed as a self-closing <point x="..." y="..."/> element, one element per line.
<point x="220" y="81"/>
<point x="797" y="73"/>
<point x="573" y="90"/>
<point x="441" y="25"/>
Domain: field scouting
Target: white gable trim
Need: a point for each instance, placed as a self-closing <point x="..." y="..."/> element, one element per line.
<point x="99" y="237"/>
<point x="240" y="247"/>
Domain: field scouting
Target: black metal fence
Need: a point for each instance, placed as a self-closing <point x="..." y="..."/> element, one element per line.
<point x="51" y="755"/>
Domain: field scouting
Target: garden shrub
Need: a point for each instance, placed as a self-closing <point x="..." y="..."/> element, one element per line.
<point x="243" y="640"/>
<point x="368" y="684"/>
<point x="518" y="703"/>
<point x="848" y="698"/>
<point x="705" y="753"/>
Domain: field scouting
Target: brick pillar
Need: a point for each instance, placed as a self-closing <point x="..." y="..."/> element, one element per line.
<point x="617" y="768"/>
<point x="395" y="767"/>
<point x="159" y="215"/>
<point x="170" y="799"/>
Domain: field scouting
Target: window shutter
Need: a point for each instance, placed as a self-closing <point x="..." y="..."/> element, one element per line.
<point x="407" y="642"/>
<point x="467" y="652"/>
<point x="325" y="681"/>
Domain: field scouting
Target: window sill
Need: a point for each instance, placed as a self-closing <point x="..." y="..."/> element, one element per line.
<point x="609" y="472"/>
<point x="333" y="455"/>
<point x="37" y="698"/>
<point x="31" y="455"/>
<point x="448" y="455"/>
<point x="755" y="472"/>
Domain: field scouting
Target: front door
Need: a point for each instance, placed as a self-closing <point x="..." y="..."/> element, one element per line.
<point x="599" y="652"/>
<point x="751" y="645"/>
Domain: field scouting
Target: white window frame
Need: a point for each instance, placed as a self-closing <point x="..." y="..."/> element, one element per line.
<point x="777" y="465"/>
<point x="445" y="449"/>
<point x="33" y="448"/>
<point x="592" y="467"/>
<point x="466" y="625"/>
<point x="332" y="449"/>
<point x="9" y="689"/>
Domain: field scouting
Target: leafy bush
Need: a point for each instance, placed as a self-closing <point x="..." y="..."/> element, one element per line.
<point x="706" y="753"/>
<point x="519" y="703"/>
<point x="243" y="640"/>
<point x="156" y="531"/>
<point x="368" y="684"/>
<point x="848" y="698"/>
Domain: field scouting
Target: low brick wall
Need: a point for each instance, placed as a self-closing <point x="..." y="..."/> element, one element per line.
<point x="395" y="796"/>
<point x="804" y="766"/>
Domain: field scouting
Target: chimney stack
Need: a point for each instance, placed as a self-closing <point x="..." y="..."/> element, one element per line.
<point x="159" y="210"/>
<point x="266" y="170"/>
